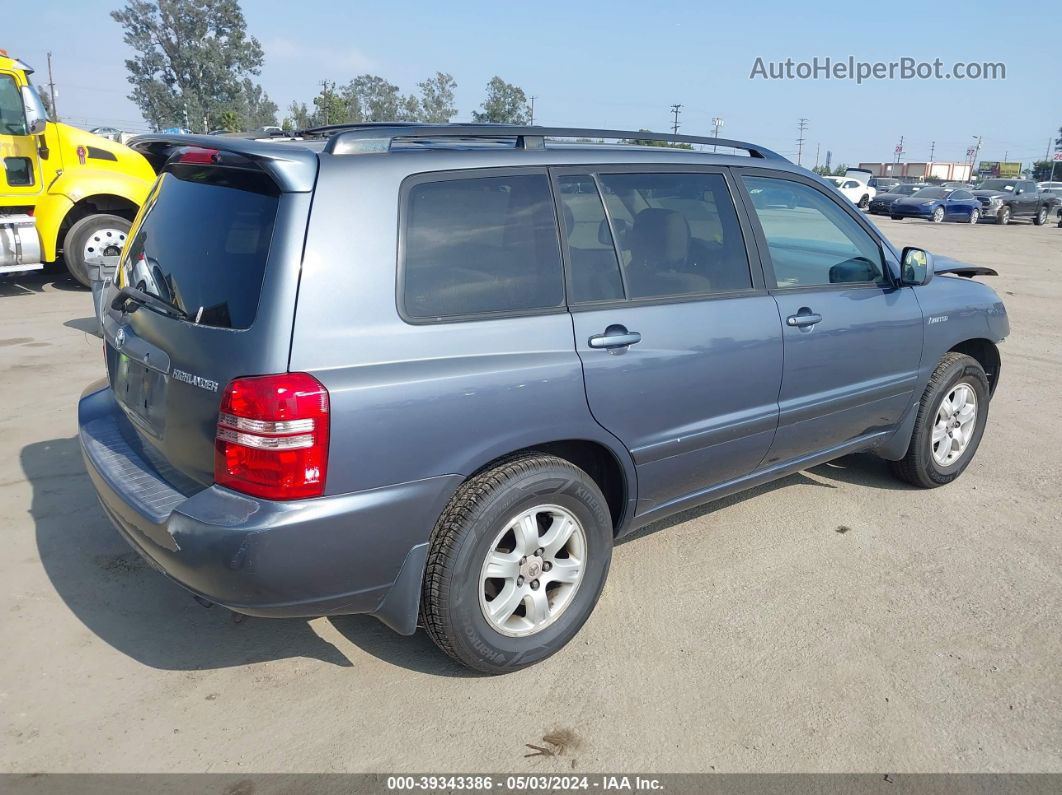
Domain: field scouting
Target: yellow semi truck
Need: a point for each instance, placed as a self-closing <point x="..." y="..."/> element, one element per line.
<point x="64" y="192"/>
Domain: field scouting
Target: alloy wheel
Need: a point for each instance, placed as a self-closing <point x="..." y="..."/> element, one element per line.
<point x="532" y="571"/>
<point x="955" y="423"/>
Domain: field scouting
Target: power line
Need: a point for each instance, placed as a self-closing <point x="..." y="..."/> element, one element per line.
<point x="675" y="109"/>
<point x="802" y="127"/>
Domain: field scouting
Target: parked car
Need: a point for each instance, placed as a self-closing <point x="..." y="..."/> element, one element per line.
<point x="1003" y="200"/>
<point x="859" y="193"/>
<point x="418" y="372"/>
<point x="883" y="184"/>
<point x="938" y="204"/>
<point x="1049" y="185"/>
<point x="882" y="203"/>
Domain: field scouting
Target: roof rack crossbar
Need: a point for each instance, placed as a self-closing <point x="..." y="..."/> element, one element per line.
<point x="362" y="138"/>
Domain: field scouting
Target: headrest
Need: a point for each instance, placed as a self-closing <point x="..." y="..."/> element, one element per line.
<point x="660" y="236"/>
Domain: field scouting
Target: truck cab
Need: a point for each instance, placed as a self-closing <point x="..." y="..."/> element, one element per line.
<point x="64" y="192"/>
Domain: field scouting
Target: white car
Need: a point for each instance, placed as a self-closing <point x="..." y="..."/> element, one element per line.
<point x="854" y="187"/>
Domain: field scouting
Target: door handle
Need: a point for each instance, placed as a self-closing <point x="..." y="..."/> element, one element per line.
<point x="805" y="317"/>
<point x="614" y="337"/>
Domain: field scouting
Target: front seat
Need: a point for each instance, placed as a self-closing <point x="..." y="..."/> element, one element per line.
<point x="660" y="255"/>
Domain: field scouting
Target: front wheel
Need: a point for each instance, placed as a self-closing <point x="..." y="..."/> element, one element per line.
<point x="975" y="215"/>
<point x="516" y="564"/>
<point x="1003" y="216"/>
<point x="94" y="241"/>
<point x="951" y="420"/>
<point x="938" y="215"/>
<point x="1041" y="217"/>
<point x="864" y="202"/>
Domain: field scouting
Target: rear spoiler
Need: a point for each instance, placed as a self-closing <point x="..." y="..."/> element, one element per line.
<point x="293" y="166"/>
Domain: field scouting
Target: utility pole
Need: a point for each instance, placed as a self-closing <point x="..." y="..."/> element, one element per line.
<point x="51" y="89"/>
<point x="675" y="125"/>
<point x="932" y="149"/>
<point x="326" y="91"/>
<point x="899" y="150"/>
<point x="717" y="122"/>
<point x="532" y="109"/>
<point x="802" y="127"/>
<point x="817" y="154"/>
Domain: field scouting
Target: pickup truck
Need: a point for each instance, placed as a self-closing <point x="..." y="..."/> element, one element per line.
<point x="1003" y="200"/>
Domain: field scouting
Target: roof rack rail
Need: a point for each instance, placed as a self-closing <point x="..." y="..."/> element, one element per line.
<point x="346" y="139"/>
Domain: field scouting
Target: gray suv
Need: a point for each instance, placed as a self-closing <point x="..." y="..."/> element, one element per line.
<point x="432" y="373"/>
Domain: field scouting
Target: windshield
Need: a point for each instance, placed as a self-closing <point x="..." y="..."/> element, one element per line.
<point x="201" y="242"/>
<point x="933" y="193"/>
<point x="906" y="190"/>
<point x="836" y="180"/>
<point x="997" y="184"/>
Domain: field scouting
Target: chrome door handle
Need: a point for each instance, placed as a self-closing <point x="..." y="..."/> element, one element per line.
<point x="614" y="337"/>
<point x="803" y="318"/>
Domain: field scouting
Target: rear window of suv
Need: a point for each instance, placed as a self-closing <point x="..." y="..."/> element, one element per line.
<point x="202" y="241"/>
<point x="480" y="245"/>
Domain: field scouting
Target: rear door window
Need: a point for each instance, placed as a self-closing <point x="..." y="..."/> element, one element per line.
<point x="201" y="243"/>
<point x="677" y="234"/>
<point x="480" y="246"/>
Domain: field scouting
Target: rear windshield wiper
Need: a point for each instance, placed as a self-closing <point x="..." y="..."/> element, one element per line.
<point x="131" y="295"/>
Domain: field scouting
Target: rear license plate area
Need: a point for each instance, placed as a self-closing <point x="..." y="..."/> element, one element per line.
<point x="141" y="391"/>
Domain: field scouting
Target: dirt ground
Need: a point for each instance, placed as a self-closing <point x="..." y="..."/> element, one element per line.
<point x="749" y="635"/>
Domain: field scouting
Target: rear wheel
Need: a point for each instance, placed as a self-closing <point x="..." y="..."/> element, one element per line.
<point x="951" y="420"/>
<point x="93" y="241"/>
<point x="1041" y="217"/>
<point x="864" y="202"/>
<point x="516" y="563"/>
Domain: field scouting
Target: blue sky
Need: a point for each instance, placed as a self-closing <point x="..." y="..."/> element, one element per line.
<point x="622" y="64"/>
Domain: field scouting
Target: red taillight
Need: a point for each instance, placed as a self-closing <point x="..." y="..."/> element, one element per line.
<point x="272" y="436"/>
<point x="203" y="157"/>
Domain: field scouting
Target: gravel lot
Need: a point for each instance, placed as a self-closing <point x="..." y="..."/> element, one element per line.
<point x="750" y="635"/>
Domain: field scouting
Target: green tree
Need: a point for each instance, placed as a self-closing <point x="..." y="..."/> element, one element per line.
<point x="298" y="118"/>
<point x="374" y="98"/>
<point x="330" y="106"/>
<point x="839" y="171"/>
<point x="1042" y="170"/>
<point x="256" y="108"/>
<point x="505" y="104"/>
<point x="822" y="171"/>
<point x="437" y="99"/>
<point x="190" y="58"/>
<point x="230" y="121"/>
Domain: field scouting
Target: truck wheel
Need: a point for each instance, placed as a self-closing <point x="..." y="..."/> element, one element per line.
<point x="516" y="564"/>
<point x="951" y="419"/>
<point x="94" y="240"/>
<point x="1041" y="217"/>
<point x="1003" y="216"/>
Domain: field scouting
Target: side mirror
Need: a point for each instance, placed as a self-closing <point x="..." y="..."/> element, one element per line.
<point x="36" y="116"/>
<point x="916" y="267"/>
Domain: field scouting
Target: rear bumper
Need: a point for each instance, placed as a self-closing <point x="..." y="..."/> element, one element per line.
<point x="352" y="553"/>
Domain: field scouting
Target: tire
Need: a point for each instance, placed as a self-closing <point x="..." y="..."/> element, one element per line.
<point x="937" y="216"/>
<point x="1003" y="216"/>
<point x="864" y="202"/>
<point x="1041" y="217"/>
<point x="896" y="217"/>
<point x="920" y="466"/>
<point x="478" y="521"/>
<point x="975" y="215"/>
<point x="111" y="229"/>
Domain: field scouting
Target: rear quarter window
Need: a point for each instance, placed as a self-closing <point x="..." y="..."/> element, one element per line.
<point x="479" y="246"/>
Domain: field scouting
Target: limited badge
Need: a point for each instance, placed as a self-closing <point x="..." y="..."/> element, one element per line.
<point x="81" y="152"/>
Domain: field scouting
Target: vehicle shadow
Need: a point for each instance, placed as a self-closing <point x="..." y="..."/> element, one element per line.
<point x="37" y="282"/>
<point x="128" y="605"/>
<point x="89" y="325"/>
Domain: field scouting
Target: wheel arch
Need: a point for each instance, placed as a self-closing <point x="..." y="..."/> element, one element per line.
<point x="97" y="204"/>
<point x="615" y="477"/>
<point x="987" y="355"/>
